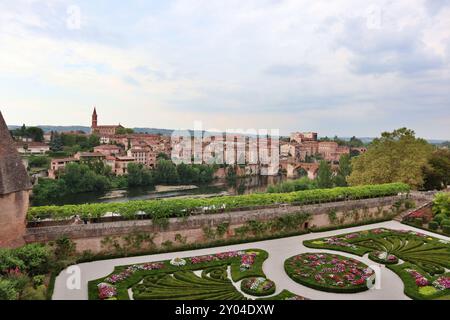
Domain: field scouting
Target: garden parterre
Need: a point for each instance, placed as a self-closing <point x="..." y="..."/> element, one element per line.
<point x="175" y="279"/>
<point x="420" y="260"/>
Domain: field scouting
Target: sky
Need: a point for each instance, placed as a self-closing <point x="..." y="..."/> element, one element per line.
<point x="342" y="67"/>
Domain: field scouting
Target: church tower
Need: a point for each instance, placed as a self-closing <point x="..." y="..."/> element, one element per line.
<point x="94" y="120"/>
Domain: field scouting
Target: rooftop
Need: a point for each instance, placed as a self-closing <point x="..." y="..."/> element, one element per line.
<point x="13" y="175"/>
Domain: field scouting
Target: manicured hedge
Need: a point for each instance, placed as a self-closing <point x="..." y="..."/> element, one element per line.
<point x="166" y="208"/>
<point x="237" y="273"/>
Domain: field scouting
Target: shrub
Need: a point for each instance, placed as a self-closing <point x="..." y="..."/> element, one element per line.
<point x="8" y="261"/>
<point x="445" y="222"/>
<point x="441" y="203"/>
<point x="7" y="290"/>
<point x="433" y="225"/>
<point x="163" y="209"/>
<point x="418" y="221"/>
<point x="439" y="217"/>
<point x="31" y="293"/>
<point x="446" y="229"/>
<point x="36" y="258"/>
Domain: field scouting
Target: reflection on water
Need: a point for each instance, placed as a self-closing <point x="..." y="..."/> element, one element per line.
<point x="218" y="187"/>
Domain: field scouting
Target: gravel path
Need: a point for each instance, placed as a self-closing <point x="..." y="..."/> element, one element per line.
<point x="279" y="250"/>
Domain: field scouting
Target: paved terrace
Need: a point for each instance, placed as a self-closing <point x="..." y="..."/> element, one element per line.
<point x="279" y="250"/>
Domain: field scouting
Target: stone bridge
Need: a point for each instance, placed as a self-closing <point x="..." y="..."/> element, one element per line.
<point x="311" y="169"/>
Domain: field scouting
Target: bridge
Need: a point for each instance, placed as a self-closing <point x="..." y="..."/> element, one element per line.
<point x="311" y="169"/>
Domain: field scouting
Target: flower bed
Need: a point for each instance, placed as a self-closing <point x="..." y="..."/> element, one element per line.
<point x="329" y="272"/>
<point x="243" y="264"/>
<point x="383" y="257"/>
<point x="258" y="286"/>
<point x="106" y="291"/>
<point x="425" y="257"/>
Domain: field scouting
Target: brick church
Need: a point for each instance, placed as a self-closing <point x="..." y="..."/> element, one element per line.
<point x="102" y="130"/>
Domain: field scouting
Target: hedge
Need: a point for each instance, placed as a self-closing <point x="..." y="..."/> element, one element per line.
<point x="237" y="273"/>
<point x="433" y="225"/>
<point x="167" y="208"/>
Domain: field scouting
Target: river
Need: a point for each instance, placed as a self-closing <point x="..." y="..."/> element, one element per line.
<point x="218" y="187"/>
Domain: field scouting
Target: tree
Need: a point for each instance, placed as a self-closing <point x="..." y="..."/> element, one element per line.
<point x="355" y="142"/>
<point x="124" y="131"/>
<point x="166" y="172"/>
<point x="138" y="175"/>
<point x="437" y="171"/>
<point x="56" y="143"/>
<point x="396" y="156"/>
<point x="35" y="133"/>
<point x="162" y="156"/>
<point x="324" y="175"/>
<point x="344" y="171"/>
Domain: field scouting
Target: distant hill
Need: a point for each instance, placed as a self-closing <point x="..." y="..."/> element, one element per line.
<point x="168" y="132"/>
<point x="47" y="128"/>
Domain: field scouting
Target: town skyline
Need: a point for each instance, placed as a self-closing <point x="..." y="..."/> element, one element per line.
<point x="166" y="131"/>
<point x="347" y="69"/>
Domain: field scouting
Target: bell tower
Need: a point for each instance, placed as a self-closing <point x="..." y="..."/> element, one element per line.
<point x="94" y="119"/>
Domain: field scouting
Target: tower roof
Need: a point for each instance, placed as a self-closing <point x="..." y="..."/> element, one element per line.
<point x="13" y="176"/>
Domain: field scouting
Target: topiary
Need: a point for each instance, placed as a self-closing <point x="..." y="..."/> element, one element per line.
<point x="433" y="225"/>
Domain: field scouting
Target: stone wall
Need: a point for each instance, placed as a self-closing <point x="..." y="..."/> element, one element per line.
<point x="191" y="229"/>
<point x="13" y="208"/>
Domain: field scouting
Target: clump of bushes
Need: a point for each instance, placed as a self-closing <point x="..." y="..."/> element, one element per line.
<point x="166" y="208"/>
<point x="25" y="271"/>
<point x="441" y="211"/>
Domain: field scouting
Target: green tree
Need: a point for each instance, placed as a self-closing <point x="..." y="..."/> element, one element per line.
<point x="355" y="142"/>
<point x="396" y="156"/>
<point x="344" y="171"/>
<point x="437" y="171"/>
<point x="162" y="156"/>
<point x="124" y="131"/>
<point x="56" y="143"/>
<point x="324" y="175"/>
<point x="35" y="133"/>
<point x="138" y="175"/>
<point x="166" y="172"/>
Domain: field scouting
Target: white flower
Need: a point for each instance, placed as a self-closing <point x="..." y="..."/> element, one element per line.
<point x="178" y="262"/>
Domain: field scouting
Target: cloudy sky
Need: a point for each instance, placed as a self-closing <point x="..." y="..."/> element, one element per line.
<point x="346" y="67"/>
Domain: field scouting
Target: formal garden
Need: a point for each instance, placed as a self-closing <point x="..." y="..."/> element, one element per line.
<point x="421" y="261"/>
<point x="207" y="277"/>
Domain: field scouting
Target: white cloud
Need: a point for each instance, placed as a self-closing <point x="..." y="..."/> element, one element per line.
<point x="254" y="62"/>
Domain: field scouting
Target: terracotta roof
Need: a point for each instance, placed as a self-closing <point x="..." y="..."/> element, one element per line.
<point x="13" y="175"/>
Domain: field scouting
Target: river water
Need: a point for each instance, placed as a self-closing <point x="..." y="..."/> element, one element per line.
<point x="218" y="187"/>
